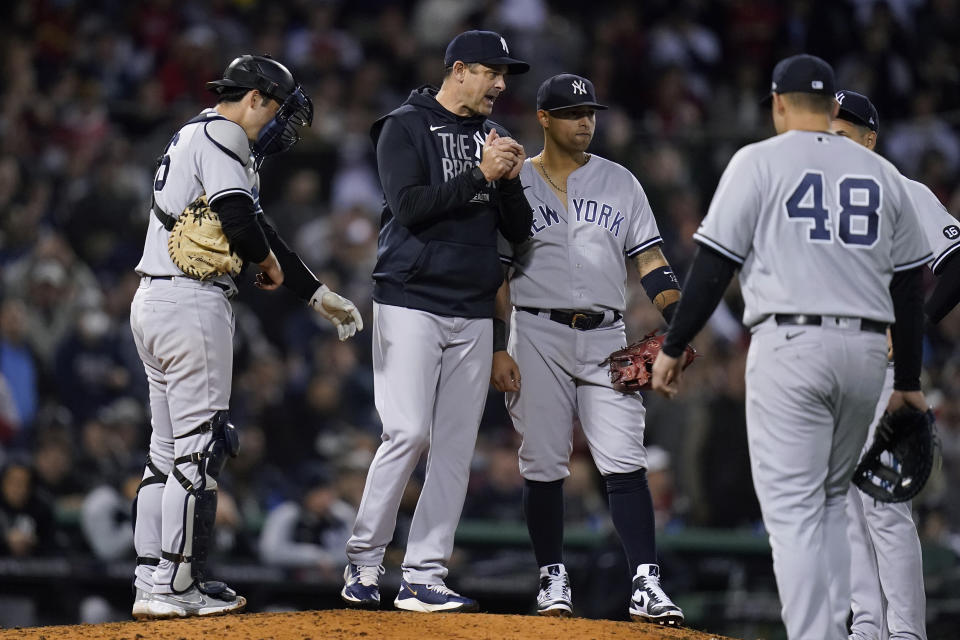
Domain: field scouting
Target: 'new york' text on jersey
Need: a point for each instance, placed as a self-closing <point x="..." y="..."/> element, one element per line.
<point x="575" y="257"/>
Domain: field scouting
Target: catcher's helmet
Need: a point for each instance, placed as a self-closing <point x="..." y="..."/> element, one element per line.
<point x="257" y="72"/>
<point x="271" y="79"/>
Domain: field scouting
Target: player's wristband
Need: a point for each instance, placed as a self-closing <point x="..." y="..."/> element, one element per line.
<point x="659" y="280"/>
<point x="499" y="335"/>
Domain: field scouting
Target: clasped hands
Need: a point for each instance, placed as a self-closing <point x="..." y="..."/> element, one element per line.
<point x="502" y="157"/>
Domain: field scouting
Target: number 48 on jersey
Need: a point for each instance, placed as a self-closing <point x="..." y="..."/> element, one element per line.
<point x="858" y="224"/>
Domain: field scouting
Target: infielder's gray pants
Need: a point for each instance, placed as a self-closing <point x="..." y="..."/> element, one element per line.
<point x="562" y="380"/>
<point x="810" y="399"/>
<point x="886" y="566"/>
<point x="431" y="375"/>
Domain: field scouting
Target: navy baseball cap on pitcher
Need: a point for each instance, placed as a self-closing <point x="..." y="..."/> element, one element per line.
<point x="857" y="108"/>
<point x="485" y="47"/>
<point x="567" y="90"/>
<point x="802" y="73"/>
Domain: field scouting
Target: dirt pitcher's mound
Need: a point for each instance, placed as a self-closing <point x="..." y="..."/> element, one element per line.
<point x="340" y="624"/>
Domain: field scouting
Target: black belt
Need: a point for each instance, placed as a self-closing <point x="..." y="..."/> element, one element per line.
<point x="865" y="324"/>
<point x="582" y="320"/>
<point x="220" y="285"/>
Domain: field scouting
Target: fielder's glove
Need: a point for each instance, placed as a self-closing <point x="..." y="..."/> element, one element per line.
<point x="338" y="310"/>
<point x="198" y="246"/>
<point x="631" y="368"/>
<point x="898" y="463"/>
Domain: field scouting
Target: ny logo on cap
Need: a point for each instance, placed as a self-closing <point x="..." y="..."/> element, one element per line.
<point x="503" y="43"/>
<point x="579" y="88"/>
<point x="840" y="96"/>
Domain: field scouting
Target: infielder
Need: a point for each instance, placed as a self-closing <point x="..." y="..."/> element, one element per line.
<point x="567" y="287"/>
<point x="449" y="178"/>
<point x="183" y="328"/>
<point x="886" y="572"/>
<point x="830" y="253"/>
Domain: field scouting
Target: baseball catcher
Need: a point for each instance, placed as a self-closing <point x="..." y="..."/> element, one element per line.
<point x="198" y="246"/>
<point x="631" y="368"/>
<point x="898" y="463"/>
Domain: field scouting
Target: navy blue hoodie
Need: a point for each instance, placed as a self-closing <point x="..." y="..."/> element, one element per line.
<point x="437" y="249"/>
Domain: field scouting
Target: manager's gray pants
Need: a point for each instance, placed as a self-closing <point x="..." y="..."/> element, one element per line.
<point x="431" y="375"/>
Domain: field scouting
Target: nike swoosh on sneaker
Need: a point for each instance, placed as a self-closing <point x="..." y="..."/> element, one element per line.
<point x="199" y="599"/>
<point x="791" y="336"/>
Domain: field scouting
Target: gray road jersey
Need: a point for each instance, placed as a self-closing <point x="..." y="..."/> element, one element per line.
<point x="195" y="163"/>
<point x="940" y="228"/>
<point x="818" y="224"/>
<point x="575" y="258"/>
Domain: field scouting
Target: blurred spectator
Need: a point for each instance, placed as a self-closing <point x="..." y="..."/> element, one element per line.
<point x="497" y="491"/>
<point x="106" y="515"/>
<point x="26" y="519"/>
<point x="56" y="475"/>
<point x="312" y="532"/>
<point x="19" y="367"/>
<point x="257" y="486"/>
<point x="89" y="368"/>
<point x="722" y="461"/>
<point x="110" y="440"/>
<point x="667" y="512"/>
<point x="908" y="141"/>
<point x="9" y="415"/>
<point x="583" y="503"/>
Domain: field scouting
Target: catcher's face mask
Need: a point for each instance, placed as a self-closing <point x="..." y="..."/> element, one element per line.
<point x="282" y="132"/>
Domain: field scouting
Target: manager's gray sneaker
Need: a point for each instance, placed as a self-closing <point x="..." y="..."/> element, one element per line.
<point x="190" y="603"/>
<point x="140" y="600"/>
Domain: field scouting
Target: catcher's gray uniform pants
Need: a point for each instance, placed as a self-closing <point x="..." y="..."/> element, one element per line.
<point x="886" y="570"/>
<point x="561" y="379"/>
<point x="431" y="375"/>
<point x="811" y="393"/>
<point x="183" y="330"/>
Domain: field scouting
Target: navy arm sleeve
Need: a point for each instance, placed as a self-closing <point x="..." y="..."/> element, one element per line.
<point x="946" y="294"/>
<point x="239" y="222"/>
<point x="296" y="276"/>
<point x="907" y="332"/>
<point x="706" y="282"/>
<point x="405" y="185"/>
<point x="516" y="215"/>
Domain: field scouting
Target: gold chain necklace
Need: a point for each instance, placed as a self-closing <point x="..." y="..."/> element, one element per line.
<point x="547" y="175"/>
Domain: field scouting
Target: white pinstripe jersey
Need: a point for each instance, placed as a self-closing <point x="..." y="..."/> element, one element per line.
<point x="818" y="224"/>
<point x="209" y="155"/>
<point x="575" y="257"/>
<point x="941" y="228"/>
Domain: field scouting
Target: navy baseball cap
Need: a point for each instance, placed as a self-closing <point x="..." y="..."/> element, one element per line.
<point x="485" y="47"/>
<point x="567" y="90"/>
<point x="802" y="73"/>
<point x="857" y="108"/>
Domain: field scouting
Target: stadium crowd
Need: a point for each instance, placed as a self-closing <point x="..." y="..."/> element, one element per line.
<point x="91" y="89"/>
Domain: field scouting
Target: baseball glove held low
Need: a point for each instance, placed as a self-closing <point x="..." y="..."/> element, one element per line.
<point x="198" y="246"/>
<point x="631" y="368"/>
<point x="898" y="463"/>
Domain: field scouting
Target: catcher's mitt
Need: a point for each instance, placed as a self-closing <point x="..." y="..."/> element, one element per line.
<point x="198" y="246"/>
<point x="898" y="463"/>
<point x="631" y="368"/>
